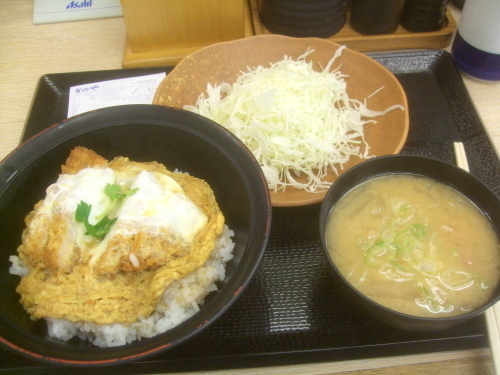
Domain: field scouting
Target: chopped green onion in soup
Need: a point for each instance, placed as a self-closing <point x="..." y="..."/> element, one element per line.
<point x="426" y="251"/>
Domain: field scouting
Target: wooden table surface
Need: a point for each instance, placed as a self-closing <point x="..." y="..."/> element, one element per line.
<point x="28" y="51"/>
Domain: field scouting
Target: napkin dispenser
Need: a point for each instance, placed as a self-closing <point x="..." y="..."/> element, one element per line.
<point x="163" y="32"/>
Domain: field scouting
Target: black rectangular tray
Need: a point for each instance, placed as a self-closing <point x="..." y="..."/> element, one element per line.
<point x="291" y="312"/>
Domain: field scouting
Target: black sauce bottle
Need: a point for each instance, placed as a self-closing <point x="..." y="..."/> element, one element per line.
<point x="370" y="17"/>
<point x="304" y="18"/>
<point x="424" y="15"/>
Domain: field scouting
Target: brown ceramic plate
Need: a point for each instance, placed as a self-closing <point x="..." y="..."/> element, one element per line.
<point x="223" y="62"/>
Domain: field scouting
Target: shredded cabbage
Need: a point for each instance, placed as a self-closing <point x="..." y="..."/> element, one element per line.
<point x="296" y="121"/>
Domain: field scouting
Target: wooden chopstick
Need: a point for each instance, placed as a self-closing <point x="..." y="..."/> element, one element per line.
<point x="460" y="156"/>
<point x="492" y="314"/>
<point x="493" y="324"/>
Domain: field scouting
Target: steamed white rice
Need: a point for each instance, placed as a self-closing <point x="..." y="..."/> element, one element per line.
<point x="180" y="301"/>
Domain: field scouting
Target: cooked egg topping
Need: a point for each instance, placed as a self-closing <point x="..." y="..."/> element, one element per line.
<point x="159" y="205"/>
<point x="87" y="185"/>
<point x="164" y="230"/>
<point x="160" y="202"/>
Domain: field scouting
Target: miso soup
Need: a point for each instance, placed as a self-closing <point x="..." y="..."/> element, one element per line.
<point x="414" y="245"/>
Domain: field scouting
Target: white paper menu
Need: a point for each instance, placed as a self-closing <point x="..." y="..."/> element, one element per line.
<point x="51" y="11"/>
<point x="135" y="90"/>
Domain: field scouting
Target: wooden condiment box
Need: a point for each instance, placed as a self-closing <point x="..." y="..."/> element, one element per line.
<point x="162" y="32"/>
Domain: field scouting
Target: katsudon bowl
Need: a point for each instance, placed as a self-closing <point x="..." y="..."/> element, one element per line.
<point x="399" y="259"/>
<point x="181" y="141"/>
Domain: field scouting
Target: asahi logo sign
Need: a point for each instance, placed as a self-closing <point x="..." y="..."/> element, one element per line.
<point x="49" y="11"/>
<point x="79" y="4"/>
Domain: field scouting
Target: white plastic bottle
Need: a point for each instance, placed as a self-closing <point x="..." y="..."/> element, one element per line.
<point x="476" y="47"/>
